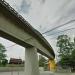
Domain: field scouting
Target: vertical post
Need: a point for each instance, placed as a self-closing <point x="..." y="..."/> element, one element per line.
<point x="31" y="61"/>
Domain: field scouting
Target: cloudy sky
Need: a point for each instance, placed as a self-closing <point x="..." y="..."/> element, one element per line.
<point x="50" y="17"/>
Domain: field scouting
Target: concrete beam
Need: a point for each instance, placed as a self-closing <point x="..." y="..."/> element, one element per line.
<point x="20" y="36"/>
<point x="15" y="28"/>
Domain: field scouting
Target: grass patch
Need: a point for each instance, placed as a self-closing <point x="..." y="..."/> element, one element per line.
<point x="13" y="65"/>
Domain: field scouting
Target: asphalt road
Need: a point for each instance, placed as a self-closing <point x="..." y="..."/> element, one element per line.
<point x="42" y="73"/>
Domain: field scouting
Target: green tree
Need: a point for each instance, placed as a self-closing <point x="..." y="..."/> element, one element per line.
<point x="4" y="62"/>
<point x="2" y="53"/>
<point x="42" y="61"/>
<point x="72" y="60"/>
<point x="66" y="47"/>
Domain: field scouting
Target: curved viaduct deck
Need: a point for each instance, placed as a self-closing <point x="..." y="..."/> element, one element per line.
<point x="15" y="28"/>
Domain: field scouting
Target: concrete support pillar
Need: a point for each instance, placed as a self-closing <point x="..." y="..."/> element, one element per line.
<point x="31" y="61"/>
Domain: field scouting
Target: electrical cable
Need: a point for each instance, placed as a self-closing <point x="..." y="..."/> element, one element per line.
<point x="11" y="46"/>
<point x="59" y="26"/>
<point x="62" y="31"/>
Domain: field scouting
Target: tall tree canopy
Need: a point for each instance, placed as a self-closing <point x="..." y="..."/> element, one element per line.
<point x="66" y="50"/>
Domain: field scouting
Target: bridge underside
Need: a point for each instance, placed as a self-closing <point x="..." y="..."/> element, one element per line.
<point x="14" y="28"/>
<point x="18" y="35"/>
<point x="15" y="32"/>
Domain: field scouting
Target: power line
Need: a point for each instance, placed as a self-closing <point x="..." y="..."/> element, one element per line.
<point x="11" y="46"/>
<point x="62" y="31"/>
<point x="59" y="26"/>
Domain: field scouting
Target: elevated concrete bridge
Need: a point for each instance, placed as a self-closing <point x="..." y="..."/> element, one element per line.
<point x="15" y="28"/>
